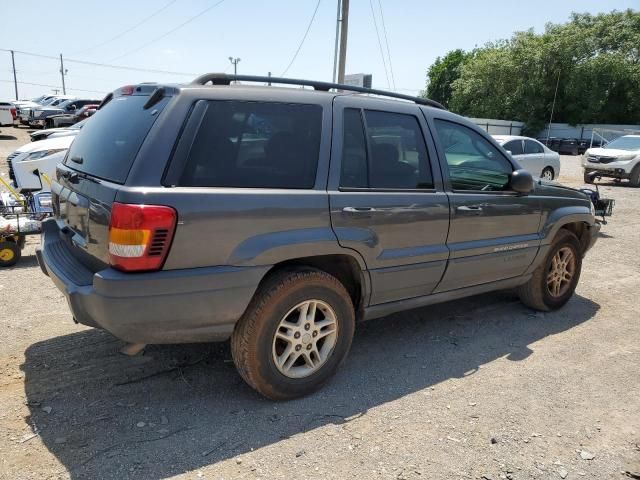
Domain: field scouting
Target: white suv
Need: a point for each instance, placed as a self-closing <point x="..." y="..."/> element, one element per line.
<point x="617" y="159"/>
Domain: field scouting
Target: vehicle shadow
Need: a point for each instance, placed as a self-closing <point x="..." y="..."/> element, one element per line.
<point x="26" y="261"/>
<point x="7" y="137"/>
<point x="179" y="408"/>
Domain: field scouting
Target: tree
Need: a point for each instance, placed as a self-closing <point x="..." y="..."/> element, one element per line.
<point x="442" y="74"/>
<point x="594" y="60"/>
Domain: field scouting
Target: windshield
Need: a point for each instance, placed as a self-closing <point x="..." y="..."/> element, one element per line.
<point x="107" y="146"/>
<point x="624" y="143"/>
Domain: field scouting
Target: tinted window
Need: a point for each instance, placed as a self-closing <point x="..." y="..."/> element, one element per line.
<point x="109" y="143"/>
<point x="398" y="152"/>
<point x="255" y="145"/>
<point x="532" y="147"/>
<point x="514" y="146"/>
<point x="474" y="163"/>
<point x="392" y="155"/>
<point x="355" y="172"/>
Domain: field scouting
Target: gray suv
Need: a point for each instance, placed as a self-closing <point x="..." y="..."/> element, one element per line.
<point x="278" y="217"/>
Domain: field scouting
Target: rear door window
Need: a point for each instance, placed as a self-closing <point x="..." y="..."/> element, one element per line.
<point x="107" y="145"/>
<point x="393" y="155"/>
<point x="247" y="144"/>
<point x="532" y="147"/>
<point x="514" y="146"/>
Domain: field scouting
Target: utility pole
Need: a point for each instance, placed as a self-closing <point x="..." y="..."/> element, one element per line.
<point x="553" y="106"/>
<point x="15" y="80"/>
<point x="344" y="27"/>
<point x="335" y="46"/>
<point x="269" y="83"/>
<point x="63" y="72"/>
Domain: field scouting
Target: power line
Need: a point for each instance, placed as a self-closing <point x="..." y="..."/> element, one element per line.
<point x="375" y="24"/>
<point x="52" y="86"/>
<point x="105" y="65"/>
<point x="121" y="34"/>
<point x="386" y="41"/>
<point x="295" y="55"/>
<point x="144" y="45"/>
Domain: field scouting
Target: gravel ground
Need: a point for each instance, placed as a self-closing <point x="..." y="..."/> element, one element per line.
<point x="481" y="388"/>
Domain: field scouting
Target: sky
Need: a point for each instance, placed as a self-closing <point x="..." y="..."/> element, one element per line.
<point x="264" y="35"/>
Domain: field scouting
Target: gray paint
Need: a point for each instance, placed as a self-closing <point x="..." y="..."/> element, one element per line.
<point x="414" y="247"/>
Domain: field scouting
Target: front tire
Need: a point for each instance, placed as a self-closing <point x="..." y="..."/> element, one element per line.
<point x="587" y="178"/>
<point x="554" y="281"/>
<point x="295" y="333"/>
<point x="634" y="178"/>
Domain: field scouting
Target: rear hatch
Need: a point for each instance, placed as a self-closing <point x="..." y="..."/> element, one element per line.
<point x="96" y="167"/>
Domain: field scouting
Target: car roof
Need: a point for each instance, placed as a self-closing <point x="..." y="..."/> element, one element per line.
<point x="508" y="138"/>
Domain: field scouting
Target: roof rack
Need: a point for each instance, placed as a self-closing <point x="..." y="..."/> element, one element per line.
<point x="224" y="79"/>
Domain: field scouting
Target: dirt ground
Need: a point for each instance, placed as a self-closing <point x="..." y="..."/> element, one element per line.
<point x="473" y="389"/>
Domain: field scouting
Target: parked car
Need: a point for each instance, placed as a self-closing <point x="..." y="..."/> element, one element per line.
<point x="72" y="118"/>
<point x="532" y="155"/>
<point x="34" y="155"/>
<point x="322" y="207"/>
<point x="41" y="116"/>
<point x="24" y="112"/>
<point x="568" y="146"/>
<point x="7" y="114"/>
<point x="618" y="159"/>
<point x="552" y="143"/>
<point x="38" y="135"/>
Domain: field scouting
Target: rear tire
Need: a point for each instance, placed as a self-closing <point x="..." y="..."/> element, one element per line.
<point x="555" y="280"/>
<point x="277" y="321"/>
<point x="587" y="179"/>
<point x="547" y="173"/>
<point x="9" y="253"/>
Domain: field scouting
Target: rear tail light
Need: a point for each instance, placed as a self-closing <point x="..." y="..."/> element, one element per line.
<point x="140" y="236"/>
<point x="13" y="113"/>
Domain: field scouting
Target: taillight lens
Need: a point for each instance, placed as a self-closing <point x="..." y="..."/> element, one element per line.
<point x="140" y="236"/>
<point x="13" y="113"/>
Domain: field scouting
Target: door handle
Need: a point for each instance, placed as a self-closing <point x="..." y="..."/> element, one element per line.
<point x="358" y="210"/>
<point x="470" y="209"/>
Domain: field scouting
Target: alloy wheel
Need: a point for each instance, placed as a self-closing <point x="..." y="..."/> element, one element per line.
<point x="561" y="272"/>
<point x="305" y="339"/>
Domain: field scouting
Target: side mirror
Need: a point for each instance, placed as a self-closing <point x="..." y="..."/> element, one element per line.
<point x="521" y="181"/>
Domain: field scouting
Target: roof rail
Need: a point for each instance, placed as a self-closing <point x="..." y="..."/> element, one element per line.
<point x="224" y="79"/>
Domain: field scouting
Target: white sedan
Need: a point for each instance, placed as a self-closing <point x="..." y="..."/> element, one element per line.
<point x="532" y="155"/>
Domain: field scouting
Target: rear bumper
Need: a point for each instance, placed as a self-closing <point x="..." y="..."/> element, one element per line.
<point x="171" y="306"/>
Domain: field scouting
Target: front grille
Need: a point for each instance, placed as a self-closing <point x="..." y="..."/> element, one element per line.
<point x="598" y="159"/>
<point x="159" y="242"/>
<point x="10" y="164"/>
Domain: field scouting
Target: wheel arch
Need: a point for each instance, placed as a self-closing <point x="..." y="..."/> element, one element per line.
<point x="346" y="268"/>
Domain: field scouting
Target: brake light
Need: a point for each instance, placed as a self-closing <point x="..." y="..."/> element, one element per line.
<point x="140" y="236"/>
<point x="13" y="113"/>
<point x="127" y="90"/>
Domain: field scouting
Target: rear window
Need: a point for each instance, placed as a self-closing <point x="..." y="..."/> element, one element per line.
<point x="255" y="145"/>
<point x="108" y="144"/>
